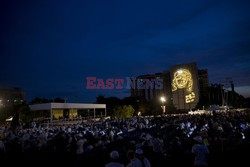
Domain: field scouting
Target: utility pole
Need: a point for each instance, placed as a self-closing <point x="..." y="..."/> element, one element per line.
<point x="229" y="83"/>
<point x="232" y="94"/>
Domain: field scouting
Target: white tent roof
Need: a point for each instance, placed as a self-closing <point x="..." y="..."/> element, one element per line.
<point x="49" y="106"/>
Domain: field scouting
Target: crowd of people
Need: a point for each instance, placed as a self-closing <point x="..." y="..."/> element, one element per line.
<point x="170" y="140"/>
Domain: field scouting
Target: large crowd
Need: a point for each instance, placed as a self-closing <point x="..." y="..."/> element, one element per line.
<point x="171" y="140"/>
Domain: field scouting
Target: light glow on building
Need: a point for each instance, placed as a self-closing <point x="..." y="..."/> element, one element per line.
<point x="183" y="80"/>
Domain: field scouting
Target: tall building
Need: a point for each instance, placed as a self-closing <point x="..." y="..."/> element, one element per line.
<point x="185" y="86"/>
<point x="9" y="96"/>
<point x="182" y="85"/>
<point x="203" y="80"/>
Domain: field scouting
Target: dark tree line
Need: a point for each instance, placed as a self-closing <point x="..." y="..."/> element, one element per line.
<point x="139" y="105"/>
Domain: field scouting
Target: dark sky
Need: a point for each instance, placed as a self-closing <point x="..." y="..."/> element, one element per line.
<point x="49" y="47"/>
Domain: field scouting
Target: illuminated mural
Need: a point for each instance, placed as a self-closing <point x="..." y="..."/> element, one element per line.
<point x="183" y="80"/>
<point x="190" y="97"/>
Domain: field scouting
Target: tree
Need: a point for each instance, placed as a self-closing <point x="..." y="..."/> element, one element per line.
<point x="6" y="112"/>
<point x="15" y="121"/>
<point x="144" y="108"/>
<point x="26" y="115"/>
<point x="150" y="107"/>
<point x="100" y="99"/>
<point x="125" y="111"/>
<point x="110" y="102"/>
<point x="20" y="112"/>
<point x="40" y="100"/>
<point x="117" y="111"/>
<point x="59" y="100"/>
<point x="128" y="111"/>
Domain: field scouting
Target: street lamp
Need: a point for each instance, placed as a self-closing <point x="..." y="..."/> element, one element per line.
<point x="163" y="99"/>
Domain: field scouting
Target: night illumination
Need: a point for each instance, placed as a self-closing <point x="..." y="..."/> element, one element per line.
<point x="183" y="80"/>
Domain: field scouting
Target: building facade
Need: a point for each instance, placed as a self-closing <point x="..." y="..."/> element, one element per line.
<point x="10" y="96"/>
<point x="185" y="86"/>
<point x="182" y="86"/>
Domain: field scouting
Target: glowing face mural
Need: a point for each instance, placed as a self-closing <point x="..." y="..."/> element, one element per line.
<point x="183" y="80"/>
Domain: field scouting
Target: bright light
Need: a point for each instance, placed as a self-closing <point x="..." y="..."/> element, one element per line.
<point x="190" y="97"/>
<point x="9" y="119"/>
<point x="163" y="99"/>
<point x="180" y="71"/>
<point x="139" y="113"/>
<point x="182" y="80"/>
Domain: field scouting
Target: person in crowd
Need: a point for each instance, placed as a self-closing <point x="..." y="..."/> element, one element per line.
<point x="164" y="139"/>
<point x="2" y="148"/>
<point x="114" y="155"/>
<point x="144" y="161"/>
<point x="201" y="151"/>
<point x="157" y="144"/>
<point x="133" y="161"/>
<point x="79" y="145"/>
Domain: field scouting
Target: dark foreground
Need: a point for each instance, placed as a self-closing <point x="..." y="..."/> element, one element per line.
<point x="165" y="141"/>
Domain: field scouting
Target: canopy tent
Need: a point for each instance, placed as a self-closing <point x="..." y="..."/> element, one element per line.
<point x="51" y="106"/>
<point x="218" y="108"/>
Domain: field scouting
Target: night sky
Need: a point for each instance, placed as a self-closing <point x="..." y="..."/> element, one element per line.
<point x="49" y="47"/>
